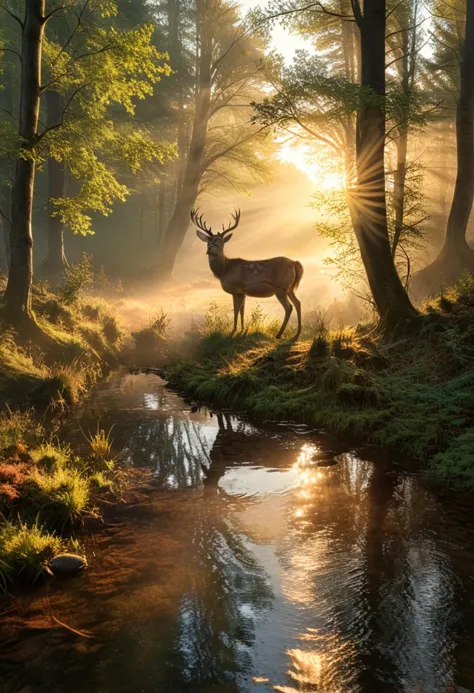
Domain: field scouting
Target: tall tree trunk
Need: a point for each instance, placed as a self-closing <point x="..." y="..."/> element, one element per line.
<point x="456" y="256"/>
<point x="5" y="204"/>
<point x="18" y="291"/>
<point x="391" y="299"/>
<point x="455" y="241"/>
<point x="7" y="102"/>
<point x="161" y="209"/>
<point x="399" y="186"/>
<point x="178" y="225"/>
<point x="56" y="262"/>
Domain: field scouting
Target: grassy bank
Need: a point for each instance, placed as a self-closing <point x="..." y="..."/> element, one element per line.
<point x="79" y="339"/>
<point x="46" y="492"/>
<point x="414" y="394"/>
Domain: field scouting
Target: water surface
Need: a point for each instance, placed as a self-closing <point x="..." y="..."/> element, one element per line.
<point x="242" y="565"/>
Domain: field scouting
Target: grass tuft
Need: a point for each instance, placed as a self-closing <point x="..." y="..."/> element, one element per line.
<point x="25" y="551"/>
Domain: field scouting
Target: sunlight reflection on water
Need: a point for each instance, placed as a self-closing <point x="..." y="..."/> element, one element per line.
<point x="251" y="567"/>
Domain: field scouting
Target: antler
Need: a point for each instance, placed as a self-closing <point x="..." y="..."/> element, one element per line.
<point x="236" y="218"/>
<point x="199" y="222"/>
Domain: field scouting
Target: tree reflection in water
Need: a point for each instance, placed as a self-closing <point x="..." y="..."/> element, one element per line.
<point x="376" y="591"/>
<point x="250" y="568"/>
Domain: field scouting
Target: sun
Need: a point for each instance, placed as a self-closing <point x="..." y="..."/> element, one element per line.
<point x="319" y="170"/>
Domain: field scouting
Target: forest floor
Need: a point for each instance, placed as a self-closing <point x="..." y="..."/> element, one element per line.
<point x="46" y="489"/>
<point x="414" y="394"/>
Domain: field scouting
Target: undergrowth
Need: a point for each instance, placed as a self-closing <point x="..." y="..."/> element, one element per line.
<point x="46" y="492"/>
<point x="413" y="394"/>
<point x="80" y="340"/>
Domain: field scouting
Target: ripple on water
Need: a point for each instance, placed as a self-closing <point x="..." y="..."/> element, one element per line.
<point x="247" y="566"/>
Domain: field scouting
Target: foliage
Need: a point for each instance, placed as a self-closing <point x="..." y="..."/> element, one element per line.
<point x="335" y="224"/>
<point x="78" y="278"/>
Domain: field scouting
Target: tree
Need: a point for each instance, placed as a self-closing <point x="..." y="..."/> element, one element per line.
<point x="391" y="299"/>
<point x="336" y="98"/>
<point x="93" y="67"/>
<point x="17" y="296"/>
<point x="456" y="256"/>
<point x="227" y="77"/>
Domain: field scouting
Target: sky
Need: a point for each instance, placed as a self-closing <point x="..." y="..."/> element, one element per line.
<point x="282" y="40"/>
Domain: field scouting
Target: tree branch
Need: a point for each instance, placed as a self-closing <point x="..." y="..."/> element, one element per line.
<point x="61" y="122"/>
<point x="4" y="216"/>
<point x="11" y="50"/>
<point x="14" y="16"/>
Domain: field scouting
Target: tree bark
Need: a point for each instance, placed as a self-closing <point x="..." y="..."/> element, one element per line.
<point x="161" y="209"/>
<point x="455" y="241"/>
<point x="391" y="299"/>
<point x="456" y="256"/>
<point x="56" y="262"/>
<point x="18" y="292"/>
<point x="5" y="204"/>
<point x="399" y="186"/>
<point x="178" y="225"/>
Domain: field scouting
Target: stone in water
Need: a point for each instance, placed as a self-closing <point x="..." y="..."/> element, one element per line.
<point x="67" y="563"/>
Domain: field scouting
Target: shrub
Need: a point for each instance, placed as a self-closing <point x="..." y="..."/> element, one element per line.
<point x="111" y="329"/>
<point x="78" y="278"/>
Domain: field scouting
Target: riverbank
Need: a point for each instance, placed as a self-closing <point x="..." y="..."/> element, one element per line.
<point x="46" y="489"/>
<point x="79" y="340"/>
<point x="413" y="394"/>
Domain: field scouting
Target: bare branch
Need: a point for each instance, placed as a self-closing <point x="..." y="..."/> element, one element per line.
<point x="5" y="110"/>
<point x="61" y="122"/>
<point x="408" y="28"/>
<point x="14" y="16"/>
<point x="4" y="216"/>
<point x="11" y="50"/>
<point x="394" y="9"/>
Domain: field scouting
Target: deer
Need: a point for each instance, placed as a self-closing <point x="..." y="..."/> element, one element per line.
<point x="277" y="276"/>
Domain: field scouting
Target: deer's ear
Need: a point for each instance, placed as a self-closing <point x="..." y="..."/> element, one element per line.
<point x="227" y="238"/>
<point x="203" y="236"/>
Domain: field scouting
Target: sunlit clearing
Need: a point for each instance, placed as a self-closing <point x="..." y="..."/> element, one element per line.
<point x="318" y="167"/>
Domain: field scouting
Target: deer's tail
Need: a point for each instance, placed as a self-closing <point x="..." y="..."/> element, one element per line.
<point x="299" y="271"/>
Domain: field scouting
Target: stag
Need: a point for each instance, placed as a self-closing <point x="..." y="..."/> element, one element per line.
<point x="277" y="276"/>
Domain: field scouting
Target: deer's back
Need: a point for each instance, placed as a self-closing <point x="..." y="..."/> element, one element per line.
<point x="258" y="277"/>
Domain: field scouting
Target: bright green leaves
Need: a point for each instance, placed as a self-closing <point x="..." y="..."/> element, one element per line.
<point x="101" y="73"/>
<point x="99" y="190"/>
<point x="136" y="147"/>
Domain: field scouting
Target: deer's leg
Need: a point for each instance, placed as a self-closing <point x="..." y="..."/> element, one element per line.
<point x="283" y="298"/>
<point x="238" y="298"/>
<point x="242" y="311"/>
<point x="297" y="303"/>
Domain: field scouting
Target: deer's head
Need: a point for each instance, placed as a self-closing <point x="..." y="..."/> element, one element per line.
<point x="215" y="241"/>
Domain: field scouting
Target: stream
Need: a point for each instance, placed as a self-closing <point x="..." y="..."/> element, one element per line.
<point x="247" y="560"/>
